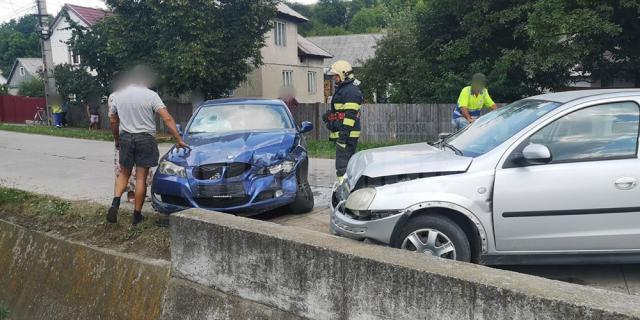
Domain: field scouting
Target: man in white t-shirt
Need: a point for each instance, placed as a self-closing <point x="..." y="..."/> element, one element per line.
<point x="132" y="111"/>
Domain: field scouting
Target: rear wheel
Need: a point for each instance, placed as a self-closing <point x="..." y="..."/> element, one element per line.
<point x="435" y="235"/>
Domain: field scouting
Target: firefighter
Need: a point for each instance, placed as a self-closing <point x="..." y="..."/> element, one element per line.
<point x="343" y="119"/>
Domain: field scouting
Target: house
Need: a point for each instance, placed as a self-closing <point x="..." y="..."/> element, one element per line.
<point x="61" y="34"/>
<point x="3" y="80"/>
<point x="354" y="48"/>
<point x="290" y="61"/>
<point x="24" y="69"/>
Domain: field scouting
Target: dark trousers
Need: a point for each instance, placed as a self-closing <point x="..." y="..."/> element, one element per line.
<point x="344" y="154"/>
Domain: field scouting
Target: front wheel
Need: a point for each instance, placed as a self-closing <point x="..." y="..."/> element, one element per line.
<point x="303" y="202"/>
<point x="435" y="235"/>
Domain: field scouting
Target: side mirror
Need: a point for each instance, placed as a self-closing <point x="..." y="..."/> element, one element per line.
<point x="536" y="154"/>
<point x="179" y="127"/>
<point x="306" y="126"/>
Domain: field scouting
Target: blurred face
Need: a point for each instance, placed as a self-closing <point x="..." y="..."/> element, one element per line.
<point x="335" y="78"/>
<point x="477" y="86"/>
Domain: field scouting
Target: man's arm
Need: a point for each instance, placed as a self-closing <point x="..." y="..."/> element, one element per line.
<point x="171" y="125"/>
<point x="488" y="103"/>
<point x="114" y="120"/>
<point x="88" y="111"/>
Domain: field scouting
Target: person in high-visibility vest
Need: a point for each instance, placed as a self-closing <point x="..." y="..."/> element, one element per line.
<point x="343" y="119"/>
<point x="471" y="101"/>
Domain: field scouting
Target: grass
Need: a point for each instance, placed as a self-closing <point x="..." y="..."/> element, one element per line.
<point x="327" y="149"/>
<point x="4" y="311"/>
<point x="78" y="133"/>
<point x="317" y="149"/>
<point x="84" y="222"/>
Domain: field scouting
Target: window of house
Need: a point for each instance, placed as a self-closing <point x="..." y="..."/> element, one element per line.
<point x="311" y="82"/>
<point x="75" y="59"/>
<point x="280" y="34"/>
<point x="22" y="72"/>
<point x="287" y="78"/>
<point x="608" y="131"/>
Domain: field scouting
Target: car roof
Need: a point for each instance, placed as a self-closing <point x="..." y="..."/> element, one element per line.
<point x="257" y="101"/>
<point x="566" y="96"/>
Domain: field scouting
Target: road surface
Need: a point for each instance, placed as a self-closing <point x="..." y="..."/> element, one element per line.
<point x="83" y="170"/>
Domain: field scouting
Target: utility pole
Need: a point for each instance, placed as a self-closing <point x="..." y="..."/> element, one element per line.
<point x="47" y="57"/>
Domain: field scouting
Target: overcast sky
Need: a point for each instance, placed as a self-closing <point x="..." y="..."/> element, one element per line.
<point x="10" y="9"/>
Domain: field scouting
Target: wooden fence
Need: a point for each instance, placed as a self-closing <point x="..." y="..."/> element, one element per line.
<point x="387" y="122"/>
<point x="380" y="122"/>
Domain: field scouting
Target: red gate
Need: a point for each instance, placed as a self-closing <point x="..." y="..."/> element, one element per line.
<point x="18" y="109"/>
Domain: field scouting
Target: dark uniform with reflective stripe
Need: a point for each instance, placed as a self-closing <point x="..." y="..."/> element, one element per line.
<point x="345" y="123"/>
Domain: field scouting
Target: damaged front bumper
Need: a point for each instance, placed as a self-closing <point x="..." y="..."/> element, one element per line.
<point x="346" y="225"/>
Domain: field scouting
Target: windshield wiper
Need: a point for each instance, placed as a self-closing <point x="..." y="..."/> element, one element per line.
<point x="452" y="147"/>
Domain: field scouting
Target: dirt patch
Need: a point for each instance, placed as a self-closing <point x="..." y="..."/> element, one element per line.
<point x="84" y="222"/>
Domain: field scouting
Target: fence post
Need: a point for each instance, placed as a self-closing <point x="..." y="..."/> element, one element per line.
<point x="316" y="121"/>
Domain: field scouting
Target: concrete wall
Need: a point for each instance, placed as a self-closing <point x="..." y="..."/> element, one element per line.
<point x="300" y="273"/>
<point x="46" y="278"/>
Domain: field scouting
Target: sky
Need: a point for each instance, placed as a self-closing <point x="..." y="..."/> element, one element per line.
<point x="10" y="9"/>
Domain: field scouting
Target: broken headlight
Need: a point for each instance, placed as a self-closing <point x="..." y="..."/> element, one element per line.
<point x="172" y="169"/>
<point x="284" y="167"/>
<point x="361" y="199"/>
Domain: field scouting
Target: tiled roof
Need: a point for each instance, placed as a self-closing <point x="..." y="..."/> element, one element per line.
<point x="88" y="15"/>
<point x="354" y="48"/>
<point x="308" y="48"/>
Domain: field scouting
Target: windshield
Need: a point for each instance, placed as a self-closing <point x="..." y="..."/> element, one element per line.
<point x="494" y="128"/>
<point x="225" y="118"/>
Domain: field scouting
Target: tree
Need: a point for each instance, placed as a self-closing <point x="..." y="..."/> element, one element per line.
<point x="18" y="39"/>
<point x="524" y="47"/>
<point x="368" y="20"/>
<point x="33" y="87"/>
<point x="75" y="81"/>
<point x="199" y="45"/>
<point x="332" y="13"/>
<point x="4" y="89"/>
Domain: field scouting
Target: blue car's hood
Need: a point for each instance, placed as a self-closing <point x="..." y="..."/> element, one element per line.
<point x="262" y="148"/>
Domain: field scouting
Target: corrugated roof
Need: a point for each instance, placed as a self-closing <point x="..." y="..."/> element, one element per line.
<point x="285" y="10"/>
<point x="88" y="15"/>
<point x="354" y="48"/>
<point x="308" y="48"/>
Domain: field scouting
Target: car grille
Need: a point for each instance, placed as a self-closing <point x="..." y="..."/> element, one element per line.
<point x="221" y="202"/>
<point x="220" y="170"/>
<point x="221" y="191"/>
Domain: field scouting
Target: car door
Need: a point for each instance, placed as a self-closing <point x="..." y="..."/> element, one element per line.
<point x="586" y="198"/>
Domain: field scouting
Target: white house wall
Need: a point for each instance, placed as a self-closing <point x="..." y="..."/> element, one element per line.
<point x="60" y="36"/>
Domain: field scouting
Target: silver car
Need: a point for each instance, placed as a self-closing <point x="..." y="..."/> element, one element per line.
<point x="548" y="179"/>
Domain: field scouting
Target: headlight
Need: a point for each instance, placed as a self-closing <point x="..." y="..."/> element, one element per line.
<point x="361" y="199"/>
<point x="172" y="169"/>
<point x="284" y="167"/>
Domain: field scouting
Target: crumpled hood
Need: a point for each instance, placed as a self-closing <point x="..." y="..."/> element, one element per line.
<point x="404" y="159"/>
<point x="263" y="148"/>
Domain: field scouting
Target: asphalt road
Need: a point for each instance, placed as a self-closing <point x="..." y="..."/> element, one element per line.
<point x="83" y="170"/>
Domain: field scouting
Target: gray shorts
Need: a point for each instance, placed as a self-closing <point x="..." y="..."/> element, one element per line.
<point x="138" y="149"/>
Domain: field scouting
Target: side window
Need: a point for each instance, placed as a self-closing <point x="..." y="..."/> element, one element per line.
<point x="607" y="131"/>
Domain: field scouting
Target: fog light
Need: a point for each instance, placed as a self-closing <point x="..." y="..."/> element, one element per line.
<point x="279" y="193"/>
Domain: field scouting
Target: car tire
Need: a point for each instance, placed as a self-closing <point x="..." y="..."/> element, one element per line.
<point x="445" y="232"/>
<point x="303" y="202"/>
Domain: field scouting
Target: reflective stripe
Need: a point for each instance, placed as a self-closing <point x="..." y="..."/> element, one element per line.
<point x="351" y="106"/>
<point x="347" y="106"/>
<point x="334" y="135"/>
<point x="354" y="134"/>
<point x="349" y="122"/>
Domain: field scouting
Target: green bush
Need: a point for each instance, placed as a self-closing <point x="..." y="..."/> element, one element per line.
<point x="32" y="88"/>
<point x="4" y="311"/>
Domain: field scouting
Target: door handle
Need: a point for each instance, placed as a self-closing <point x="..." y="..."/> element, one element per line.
<point x="626" y="183"/>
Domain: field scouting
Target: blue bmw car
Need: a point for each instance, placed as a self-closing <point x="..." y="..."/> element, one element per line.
<point x="247" y="156"/>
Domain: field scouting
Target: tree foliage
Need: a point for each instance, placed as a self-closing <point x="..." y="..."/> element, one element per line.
<point x="18" y="39"/>
<point x="196" y="45"/>
<point x="524" y="47"/>
<point x="75" y="81"/>
<point x="33" y="87"/>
